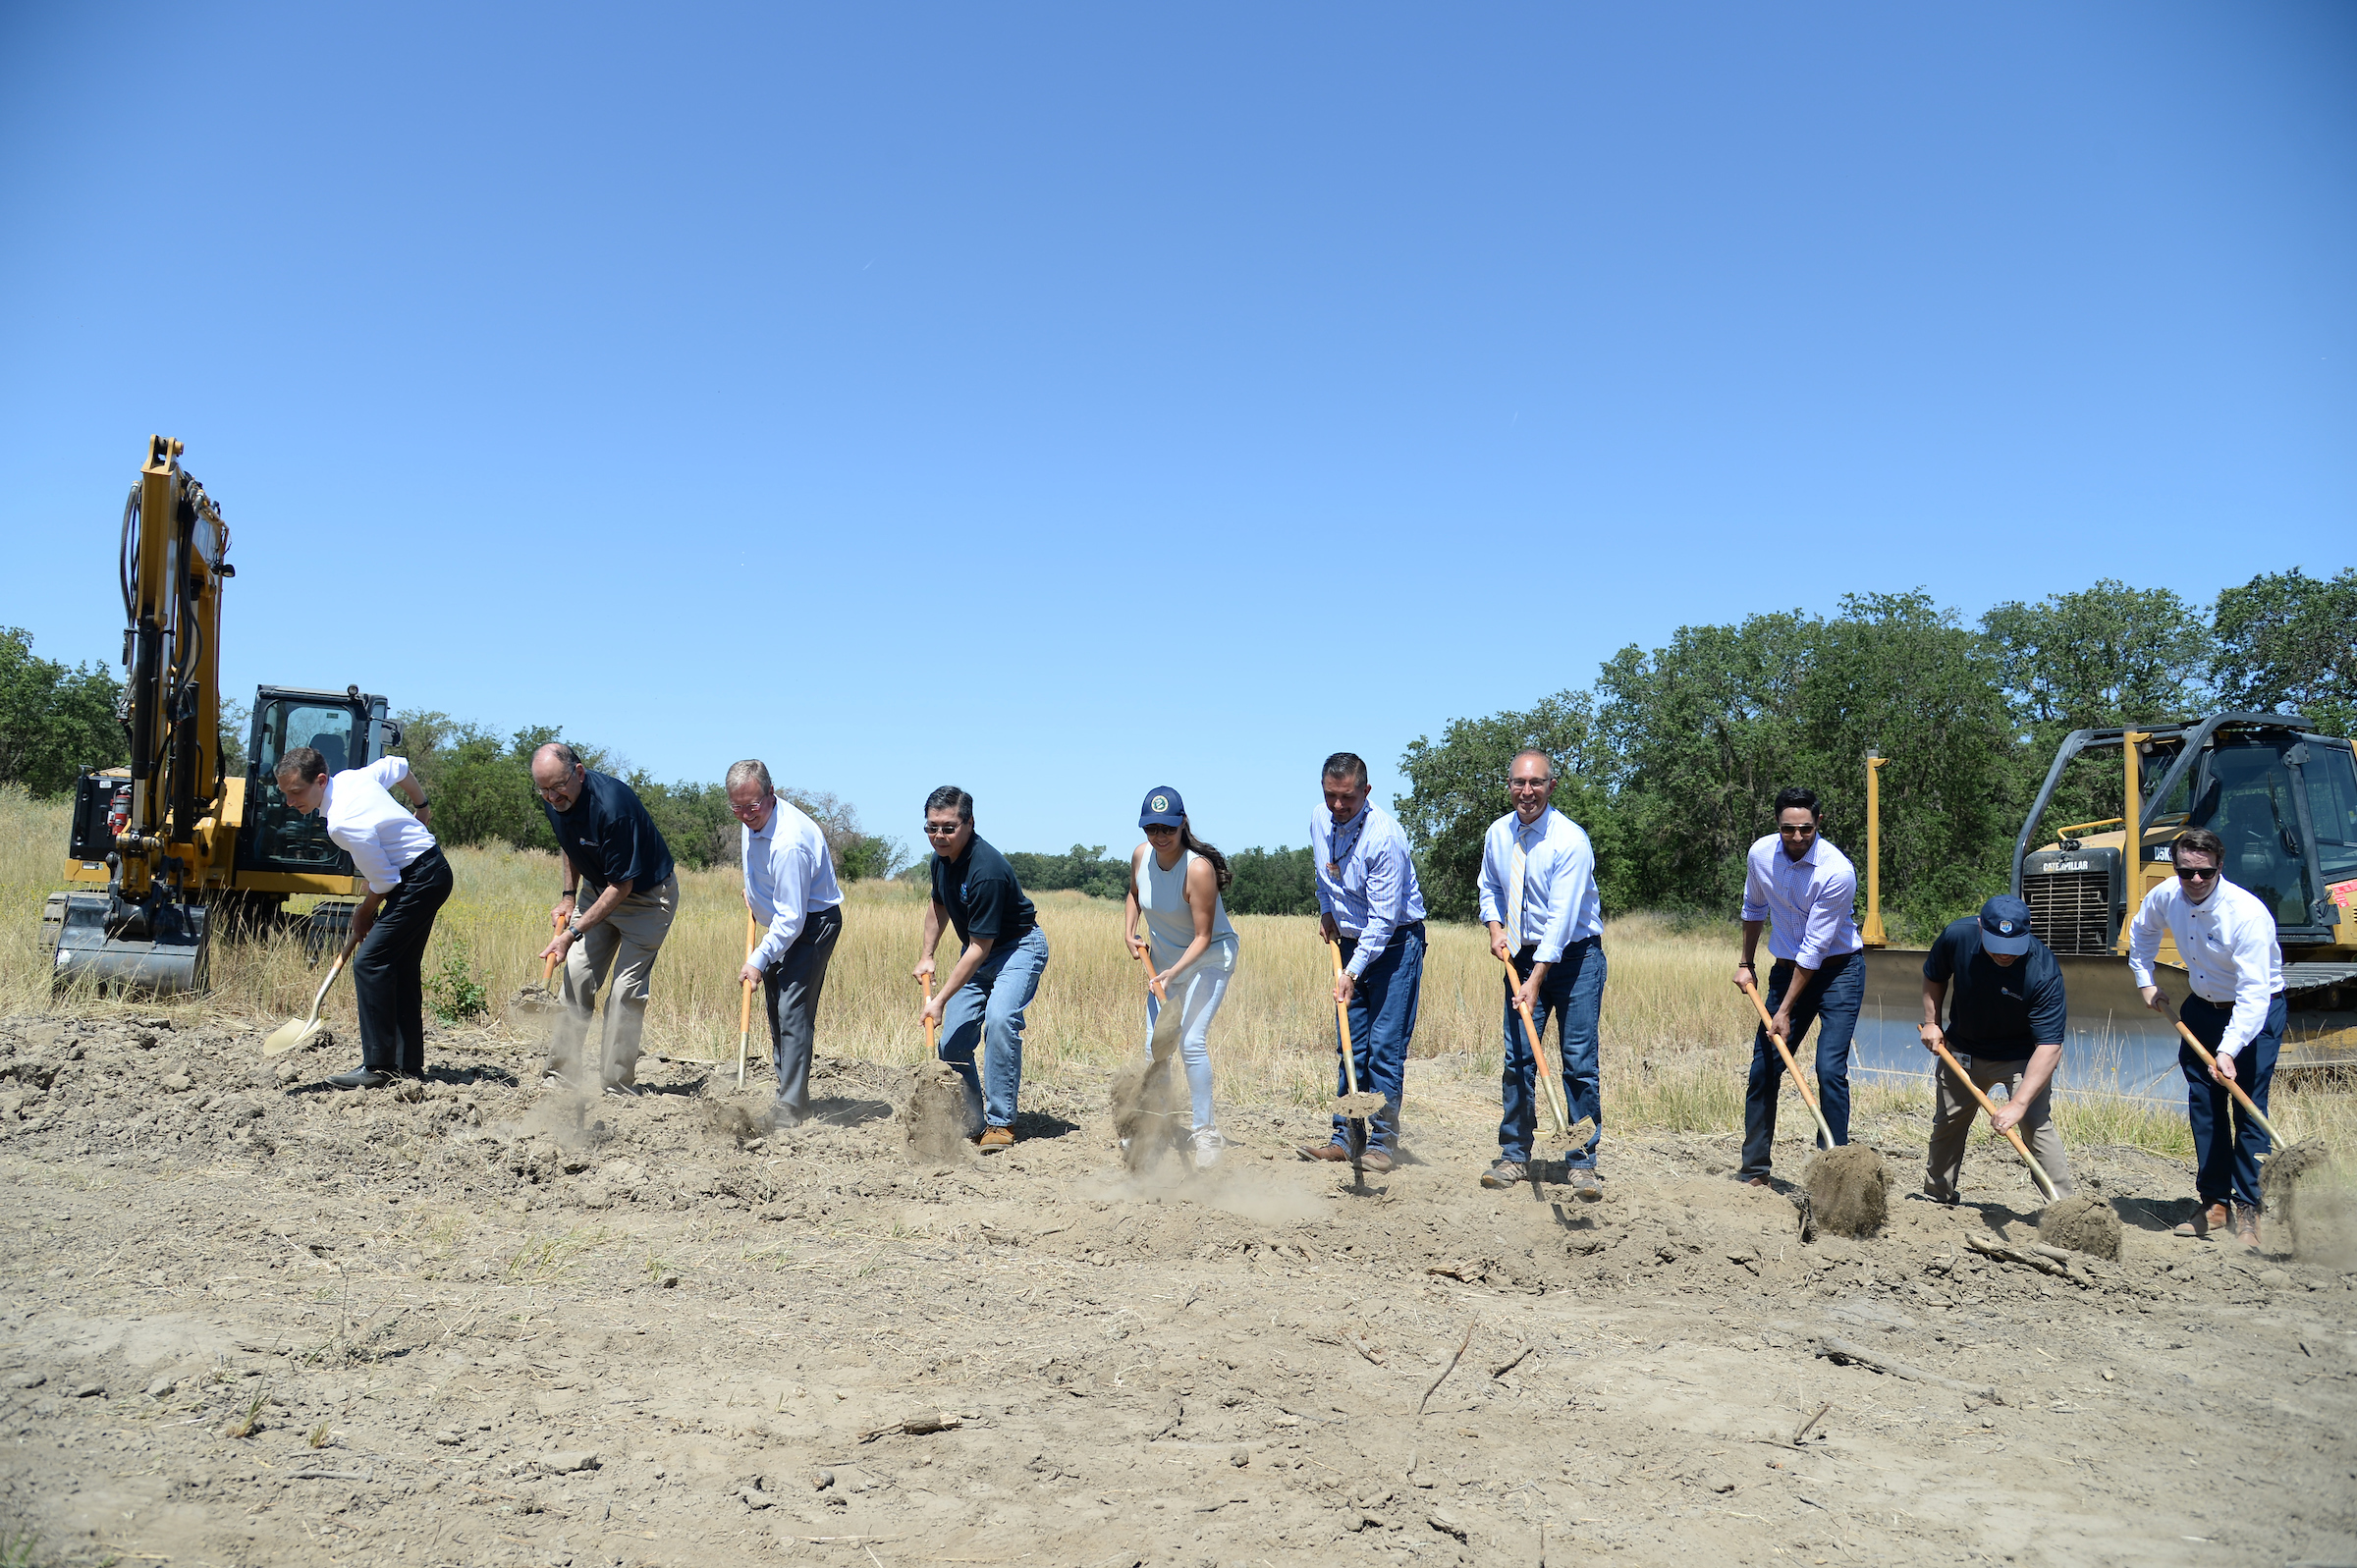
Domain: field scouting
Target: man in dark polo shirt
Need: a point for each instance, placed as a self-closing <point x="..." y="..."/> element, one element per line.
<point x="982" y="1002"/>
<point x="607" y="843"/>
<point x="2005" y="1026"/>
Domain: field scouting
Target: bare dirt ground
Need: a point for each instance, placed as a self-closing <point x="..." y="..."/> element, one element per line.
<point x="249" y="1320"/>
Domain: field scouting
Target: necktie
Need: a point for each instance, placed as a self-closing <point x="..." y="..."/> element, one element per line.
<point x="1514" y="891"/>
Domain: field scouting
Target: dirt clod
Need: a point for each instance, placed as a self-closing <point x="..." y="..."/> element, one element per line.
<point x="938" y="1113"/>
<point x="1848" y="1190"/>
<point x="2082" y="1223"/>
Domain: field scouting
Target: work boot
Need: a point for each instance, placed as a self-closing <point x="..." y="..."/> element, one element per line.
<point x="1323" y="1150"/>
<point x="2246" y="1225"/>
<point x="2214" y="1217"/>
<point x="1377" y="1161"/>
<point x="996" y="1138"/>
<point x="1506" y="1173"/>
<point x="1586" y="1185"/>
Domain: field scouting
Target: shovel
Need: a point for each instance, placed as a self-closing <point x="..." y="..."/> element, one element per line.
<point x="1549" y="1086"/>
<point x="1358" y="1105"/>
<point x="2233" y="1087"/>
<point x="745" y="1007"/>
<point x="2012" y="1134"/>
<point x="1162" y="1049"/>
<point x="1798" y="1082"/>
<point x="301" y="1031"/>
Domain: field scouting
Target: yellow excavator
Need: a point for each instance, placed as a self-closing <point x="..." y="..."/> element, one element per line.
<point x="162" y="851"/>
<point x="2283" y="800"/>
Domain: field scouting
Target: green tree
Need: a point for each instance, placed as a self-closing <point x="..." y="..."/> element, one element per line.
<point x="2289" y="640"/>
<point x="1272" y="882"/>
<point x="2105" y="657"/>
<point x="1085" y="867"/>
<point x="1457" y="789"/>
<point x="54" y="719"/>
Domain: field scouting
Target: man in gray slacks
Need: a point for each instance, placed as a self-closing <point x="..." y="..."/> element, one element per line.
<point x="789" y="887"/>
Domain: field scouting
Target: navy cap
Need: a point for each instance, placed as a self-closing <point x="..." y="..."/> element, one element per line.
<point x="1162" y="805"/>
<point x="2006" y="926"/>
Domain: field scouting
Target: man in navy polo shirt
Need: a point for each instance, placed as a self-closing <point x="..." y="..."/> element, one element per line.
<point x="2006" y="1025"/>
<point x="981" y="1000"/>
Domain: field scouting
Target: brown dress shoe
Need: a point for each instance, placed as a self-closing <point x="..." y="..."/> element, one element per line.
<point x="2246" y="1225"/>
<point x="1323" y="1150"/>
<point x="2208" y="1220"/>
<point x="1377" y="1161"/>
<point x="997" y="1138"/>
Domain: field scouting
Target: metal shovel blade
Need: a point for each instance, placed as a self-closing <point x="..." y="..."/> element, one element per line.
<point x="297" y="1031"/>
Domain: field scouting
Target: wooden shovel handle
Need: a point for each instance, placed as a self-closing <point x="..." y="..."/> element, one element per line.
<point x="1808" y="1097"/>
<point x="1559" y="1111"/>
<point x="2233" y="1087"/>
<point x="745" y="1004"/>
<point x="1342" y="1022"/>
<point x="2012" y="1134"/>
<point x="1145" y="957"/>
<point x="930" y="1025"/>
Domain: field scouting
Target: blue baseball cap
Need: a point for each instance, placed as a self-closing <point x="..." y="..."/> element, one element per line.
<point x="1162" y="806"/>
<point x="2006" y="926"/>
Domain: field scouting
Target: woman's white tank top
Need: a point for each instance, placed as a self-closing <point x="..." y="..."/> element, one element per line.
<point x="1169" y="924"/>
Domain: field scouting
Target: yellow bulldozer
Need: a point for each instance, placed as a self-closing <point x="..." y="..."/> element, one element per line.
<point x="163" y="851"/>
<point x="2283" y="800"/>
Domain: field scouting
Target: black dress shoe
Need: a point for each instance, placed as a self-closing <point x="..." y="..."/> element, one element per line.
<point x="360" y="1078"/>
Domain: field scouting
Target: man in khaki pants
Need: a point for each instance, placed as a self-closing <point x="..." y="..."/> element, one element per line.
<point x="2004" y="1027"/>
<point x="606" y="840"/>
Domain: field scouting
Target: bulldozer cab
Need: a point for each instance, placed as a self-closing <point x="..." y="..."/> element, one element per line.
<point x="348" y="728"/>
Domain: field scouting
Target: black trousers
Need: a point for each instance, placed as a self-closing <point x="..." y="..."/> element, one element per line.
<point x="388" y="970"/>
<point x="790" y="991"/>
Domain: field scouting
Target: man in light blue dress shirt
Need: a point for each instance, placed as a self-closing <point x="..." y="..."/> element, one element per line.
<point x="791" y="888"/>
<point x="1807" y="888"/>
<point x="1368" y="899"/>
<point x="1538" y="898"/>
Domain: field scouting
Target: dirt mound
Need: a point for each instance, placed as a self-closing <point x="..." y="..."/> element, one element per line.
<point x="732" y="1121"/>
<point x="1151" y="1112"/>
<point x="2082" y="1223"/>
<point x="939" y="1114"/>
<point x="1848" y="1189"/>
<point x="2308" y="1199"/>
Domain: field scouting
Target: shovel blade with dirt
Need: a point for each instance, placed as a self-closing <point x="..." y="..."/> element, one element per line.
<point x="302" y="1031"/>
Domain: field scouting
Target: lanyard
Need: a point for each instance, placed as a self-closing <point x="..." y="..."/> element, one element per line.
<point x="1339" y="851"/>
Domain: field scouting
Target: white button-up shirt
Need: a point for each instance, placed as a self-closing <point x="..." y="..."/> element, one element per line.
<point x="788" y="876"/>
<point x="1806" y="901"/>
<point x="2228" y="944"/>
<point x="370" y="825"/>
<point x="1559" y="906"/>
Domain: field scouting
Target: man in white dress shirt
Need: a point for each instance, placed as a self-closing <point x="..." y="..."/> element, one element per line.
<point x="2227" y="940"/>
<point x="1538" y="898"/>
<point x="790" y="887"/>
<point x="1807" y="888"/>
<point x="409" y="882"/>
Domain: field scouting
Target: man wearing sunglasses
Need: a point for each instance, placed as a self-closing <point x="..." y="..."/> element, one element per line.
<point x="982" y="1002"/>
<point x="2226" y="938"/>
<point x="1805" y="889"/>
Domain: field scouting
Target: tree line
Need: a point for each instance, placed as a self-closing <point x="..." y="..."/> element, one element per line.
<point x="1668" y="759"/>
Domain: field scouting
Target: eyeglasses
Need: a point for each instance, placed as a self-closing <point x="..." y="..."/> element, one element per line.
<point x="943" y="830"/>
<point x="1528" y="783"/>
<point x="2197" y="873"/>
<point x="1798" y="833"/>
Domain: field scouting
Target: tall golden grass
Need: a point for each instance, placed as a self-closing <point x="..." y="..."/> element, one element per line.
<point x="1677" y="1037"/>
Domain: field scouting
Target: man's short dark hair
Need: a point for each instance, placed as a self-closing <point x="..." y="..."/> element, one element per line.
<point x="1793" y="795"/>
<point x="303" y="763"/>
<point x="2202" y="841"/>
<point x="1347" y="764"/>
<point x="949" y="797"/>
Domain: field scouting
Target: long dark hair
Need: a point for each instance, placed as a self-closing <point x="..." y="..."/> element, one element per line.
<point x="1218" y="862"/>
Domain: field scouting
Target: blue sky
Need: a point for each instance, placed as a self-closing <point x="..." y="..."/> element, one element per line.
<point x="1061" y="401"/>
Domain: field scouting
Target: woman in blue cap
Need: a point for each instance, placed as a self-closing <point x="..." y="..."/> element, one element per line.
<point x="1175" y="884"/>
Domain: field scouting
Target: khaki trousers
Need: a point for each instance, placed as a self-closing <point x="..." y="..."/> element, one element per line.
<point x="1952" y="1118"/>
<point x="622" y="945"/>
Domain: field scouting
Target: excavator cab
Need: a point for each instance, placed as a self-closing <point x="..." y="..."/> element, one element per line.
<point x="346" y="727"/>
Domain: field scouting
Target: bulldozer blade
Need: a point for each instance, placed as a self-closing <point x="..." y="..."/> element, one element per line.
<point x="173" y="958"/>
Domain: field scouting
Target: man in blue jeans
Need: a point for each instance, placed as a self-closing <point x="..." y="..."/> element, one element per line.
<point x="1806" y="888"/>
<point x="1368" y="900"/>
<point x="982" y="1002"/>
<point x="1538" y="898"/>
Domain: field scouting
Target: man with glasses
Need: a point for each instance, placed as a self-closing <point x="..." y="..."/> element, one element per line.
<point x="2227" y="939"/>
<point x="982" y="1002"/>
<point x="1538" y="898"/>
<point x="790" y="887"/>
<point x="606" y="840"/>
<point x="1805" y="888"/>
<point x="1368" y="901"/>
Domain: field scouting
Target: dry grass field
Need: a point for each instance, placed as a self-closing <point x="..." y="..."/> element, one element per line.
<point x="1675" y="1036"/>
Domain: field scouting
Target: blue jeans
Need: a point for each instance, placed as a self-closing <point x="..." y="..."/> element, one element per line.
<point x="1383" y="1019"/>
<point x="2227" y="1165"/>
<point x="988" y="1011"/>
<point x="1834" y="1001"/>
<point x="1573" y="994"/>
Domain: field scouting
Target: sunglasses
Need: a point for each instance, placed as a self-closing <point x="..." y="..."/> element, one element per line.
<point x="2197" y="873"/>
<point x="943" y="830"/>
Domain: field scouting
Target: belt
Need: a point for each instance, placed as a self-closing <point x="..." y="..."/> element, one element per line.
<point x="2228" y="1002"/>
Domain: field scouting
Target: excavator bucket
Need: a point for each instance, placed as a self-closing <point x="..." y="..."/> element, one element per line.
<point x="165" y="955"/>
